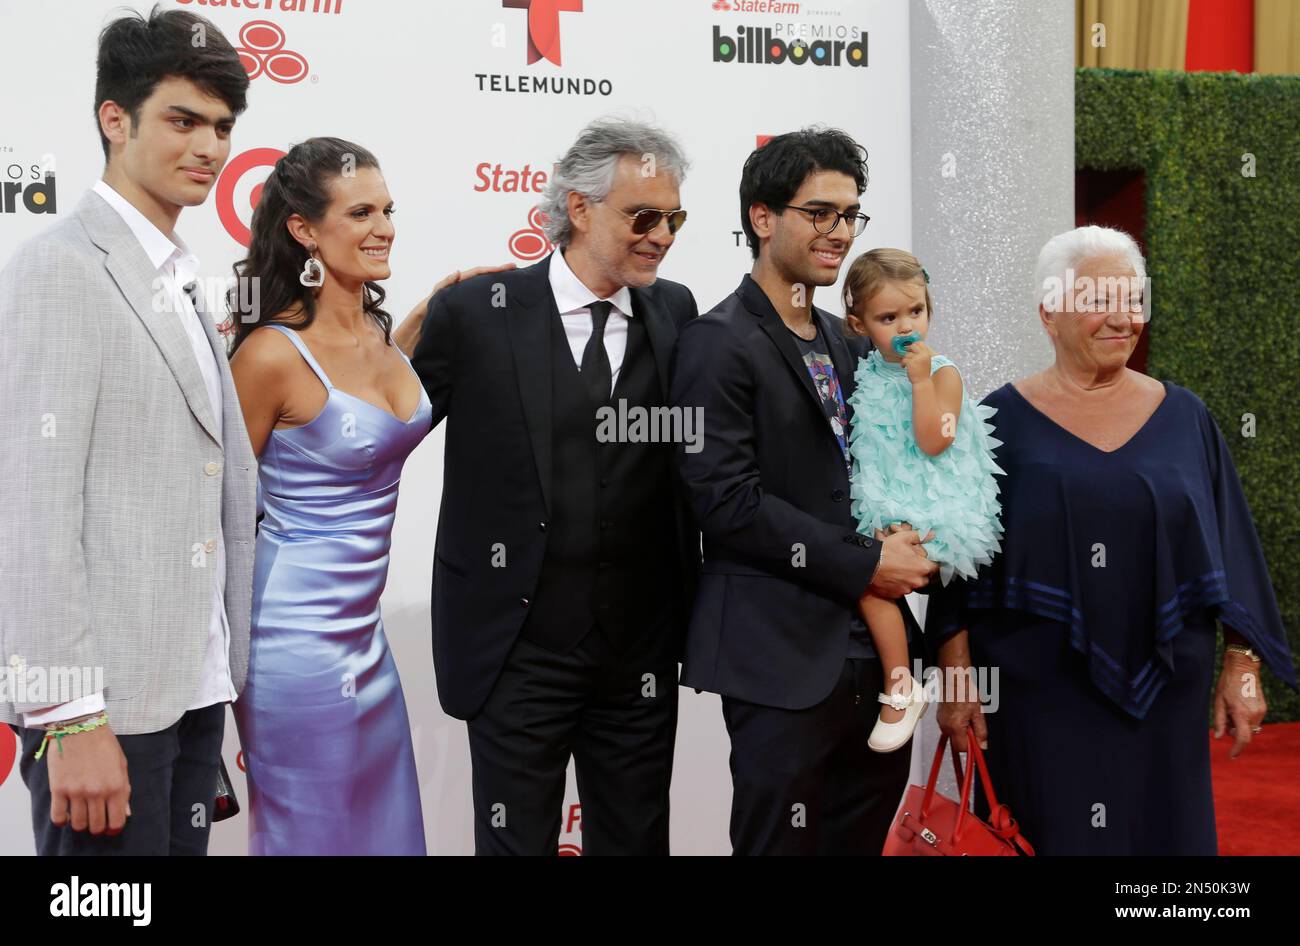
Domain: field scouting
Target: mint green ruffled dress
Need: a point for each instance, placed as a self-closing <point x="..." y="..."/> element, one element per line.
<point x="894" y="480"/>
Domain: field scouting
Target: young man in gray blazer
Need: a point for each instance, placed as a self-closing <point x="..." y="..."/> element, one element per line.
<point x="130" y="504"/>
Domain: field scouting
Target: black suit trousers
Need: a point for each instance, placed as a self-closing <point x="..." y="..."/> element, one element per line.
<point x="614" y="713"/>
<point x="804" y="782"/>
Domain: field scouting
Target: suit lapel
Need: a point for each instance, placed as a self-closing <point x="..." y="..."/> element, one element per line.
<point x="659" y="330"/>
<point x="756" y="301"/>
<point x="142" y="288"/>
<point x="528" y="322"/>
<point x="842" y="357"/>
<point x="226" y="381"/>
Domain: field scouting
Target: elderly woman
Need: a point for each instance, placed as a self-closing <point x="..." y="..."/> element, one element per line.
<point x="1127" y="535"/>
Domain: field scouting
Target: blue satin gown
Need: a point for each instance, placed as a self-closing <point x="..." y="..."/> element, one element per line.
<point x="322" y="719"/>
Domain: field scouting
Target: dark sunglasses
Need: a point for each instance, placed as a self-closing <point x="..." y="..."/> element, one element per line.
<point x="643" y="221"/>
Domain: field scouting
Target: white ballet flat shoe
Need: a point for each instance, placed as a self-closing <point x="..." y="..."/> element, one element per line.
<point x="887" y="737"/>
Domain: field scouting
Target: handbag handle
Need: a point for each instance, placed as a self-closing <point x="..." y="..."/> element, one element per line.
<point x="1000" y="820"/>
<point x="964" y="779"/>
<point x="933" y="780"/>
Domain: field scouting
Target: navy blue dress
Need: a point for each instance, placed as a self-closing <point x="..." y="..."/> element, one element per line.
<point x="1099" y="617"/>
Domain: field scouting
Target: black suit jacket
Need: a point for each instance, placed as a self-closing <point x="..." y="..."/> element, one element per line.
<point x="484" y="358"/>
<point x="771" y="623"/>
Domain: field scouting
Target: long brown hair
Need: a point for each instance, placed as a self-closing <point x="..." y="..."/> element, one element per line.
<point x="298" y="184"/>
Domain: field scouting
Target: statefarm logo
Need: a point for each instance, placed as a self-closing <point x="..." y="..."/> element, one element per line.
<point x="30" y="188"/>
<point x="757" y="6"/>
<point x="284" y="6"/>
<point x="571" y="845"/>
<point x="231" y="188"/>
<point x="797" y="43"/>
<point x="529" y="244"/>
<point x="262" y="52"/>
<point x="543" y="32"/>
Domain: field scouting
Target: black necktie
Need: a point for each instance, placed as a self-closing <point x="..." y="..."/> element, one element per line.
<point x="595" y="361"/>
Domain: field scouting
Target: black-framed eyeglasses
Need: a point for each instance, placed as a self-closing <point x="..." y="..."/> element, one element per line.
<point x="826" y="219"/>
<point x="643" y="221"/>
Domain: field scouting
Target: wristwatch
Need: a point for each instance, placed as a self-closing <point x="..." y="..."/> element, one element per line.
<point x="1241" y="649"/>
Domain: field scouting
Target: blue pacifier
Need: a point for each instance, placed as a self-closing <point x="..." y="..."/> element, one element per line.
<point x="900" y="343"/>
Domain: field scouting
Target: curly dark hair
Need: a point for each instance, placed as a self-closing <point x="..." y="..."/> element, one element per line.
<point x="774" y="172"/>
<point x="298" y="184"/>
<point x="135" y="54"/>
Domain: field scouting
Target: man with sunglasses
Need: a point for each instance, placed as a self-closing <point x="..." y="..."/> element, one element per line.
<point x="566" y="559"/>
<point x="775" y="628"/>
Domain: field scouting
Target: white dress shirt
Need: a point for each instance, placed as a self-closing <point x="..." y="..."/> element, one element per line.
<point x="177" y="267"/>
<point x="574" y="299"/>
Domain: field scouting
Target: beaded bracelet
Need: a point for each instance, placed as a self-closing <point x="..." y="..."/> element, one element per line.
<point x="87" y="725"/>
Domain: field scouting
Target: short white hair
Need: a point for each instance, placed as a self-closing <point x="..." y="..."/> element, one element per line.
<point x="1070" y="250"/>
<point x="589" y="165"/>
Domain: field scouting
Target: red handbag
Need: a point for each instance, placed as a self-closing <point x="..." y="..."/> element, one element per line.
<point x="929" y="824"/>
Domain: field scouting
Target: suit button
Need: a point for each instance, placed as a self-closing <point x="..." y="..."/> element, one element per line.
<point x="523" y="602"/>
<point x="541" y="527"/>
<point x="210" y="545"/>
<point x="212" y="469"/>
<point x="837" y="495"/>
<point x="604" y="565"/>
<point x="606" y="524"/>
<point x="604" y="481"/>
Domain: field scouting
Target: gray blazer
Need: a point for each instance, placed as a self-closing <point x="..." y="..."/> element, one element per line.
<point x="113" y="481"/>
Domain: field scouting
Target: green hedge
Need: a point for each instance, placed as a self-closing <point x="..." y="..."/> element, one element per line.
<point x="1223" y="255"/>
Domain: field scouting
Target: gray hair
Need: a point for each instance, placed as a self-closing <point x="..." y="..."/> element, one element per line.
<point x="1068" y="251"/>
<point x="588" y="167"/>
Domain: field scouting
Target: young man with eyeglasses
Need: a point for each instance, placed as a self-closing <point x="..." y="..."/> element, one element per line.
<point x="775" y="628"/>
<point x="565" y="561"/>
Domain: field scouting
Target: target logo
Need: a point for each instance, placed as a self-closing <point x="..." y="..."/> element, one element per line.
<point x="262" y="52"/>
<point x="530" y="243"/>
<point x="233" y="192"/>
<point x="8" y="752"/>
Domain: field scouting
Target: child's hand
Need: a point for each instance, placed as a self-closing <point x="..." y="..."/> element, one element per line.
<point x="917" y="361"/>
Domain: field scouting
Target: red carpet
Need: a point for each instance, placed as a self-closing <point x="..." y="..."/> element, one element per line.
<point x="1257" y="794"/>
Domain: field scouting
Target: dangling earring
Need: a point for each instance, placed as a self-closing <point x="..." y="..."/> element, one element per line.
<point x="313" y="273"/>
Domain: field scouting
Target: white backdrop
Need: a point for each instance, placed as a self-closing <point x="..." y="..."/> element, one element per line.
<point x="433" y="88"/>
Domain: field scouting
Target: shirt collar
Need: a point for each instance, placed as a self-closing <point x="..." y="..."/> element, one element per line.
<point x="571" y="294"/>
<point x="158" y="246"/>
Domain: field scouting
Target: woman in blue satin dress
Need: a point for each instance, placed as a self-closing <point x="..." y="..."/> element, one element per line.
<point x="333" y="409"/>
